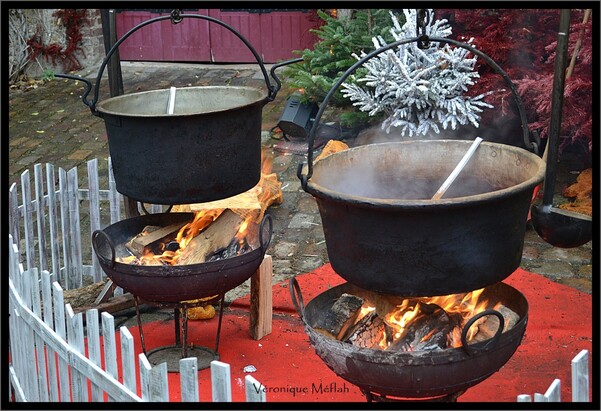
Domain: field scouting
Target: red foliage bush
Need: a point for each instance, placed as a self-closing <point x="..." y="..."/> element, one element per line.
<point x="523" y="44"/>
<point x="71" y="19"/>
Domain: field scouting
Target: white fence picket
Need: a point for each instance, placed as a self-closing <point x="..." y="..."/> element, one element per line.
<point x="74" y="223"/>
<point x="93" y="333"/>
<point x="61" y="330"/>
<point x="128" y="364"/>
<point x="159" y="386"/>
<point x="49" y="321"/>
<point x="65" y="228"/>
<point x="188" y="374"/>
<point x="110" y="346"/>
<point x="39" y="342"/>
<point x="553" y="393"/>
<point x="31" y="388"/>
<point x="221" y="381"/>
<point x="580" y="378"/>
<point x="53" y="222"/>
<point x="114" y="196"/>
<point x="94" y="191"/>
<point x="255" y="391"/>
<point x="40" y="212"/>
<point x="75" y="339"/>
<point x="145" y="368"/>
<point x="14" y="219"/>
<point x="28" y="220"/>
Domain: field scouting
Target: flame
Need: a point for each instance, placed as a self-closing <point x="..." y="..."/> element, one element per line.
<point x="403" y="315"/>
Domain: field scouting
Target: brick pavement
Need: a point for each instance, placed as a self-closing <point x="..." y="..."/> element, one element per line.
<point x="50" y="124"/>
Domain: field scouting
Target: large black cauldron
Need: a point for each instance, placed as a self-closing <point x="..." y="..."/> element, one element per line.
<point x="383" y="232"/>
<point x="209" y="148"/>
<point x="178" y="282"/>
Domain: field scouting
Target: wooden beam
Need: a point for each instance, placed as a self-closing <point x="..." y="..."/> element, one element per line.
<point x="261" y="306"/>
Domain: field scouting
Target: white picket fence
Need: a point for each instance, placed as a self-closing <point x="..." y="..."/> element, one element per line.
<point x="580" y="384"/>
<point x="47" y="340"/>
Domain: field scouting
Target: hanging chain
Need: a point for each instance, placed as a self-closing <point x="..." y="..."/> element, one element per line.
<point x="176" y="16"/>
<point x="422" y="20"/>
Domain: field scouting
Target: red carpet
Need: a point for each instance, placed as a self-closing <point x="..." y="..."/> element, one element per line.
<point x="559" y="327"/>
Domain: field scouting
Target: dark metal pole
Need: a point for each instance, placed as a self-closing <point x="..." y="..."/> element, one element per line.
<point x="109" y="34"/>
<point x="556" y="106"/>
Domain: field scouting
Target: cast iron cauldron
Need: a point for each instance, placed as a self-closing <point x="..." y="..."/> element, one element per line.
<point x="382" y="231"/>
<point x="208" y="149"/>
<point x="420" y="374"/>
<point x="178" y="282"/>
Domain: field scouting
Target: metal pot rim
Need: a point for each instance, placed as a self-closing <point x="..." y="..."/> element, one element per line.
<point x="318" y="190"/>
<point x="260" y="99"/>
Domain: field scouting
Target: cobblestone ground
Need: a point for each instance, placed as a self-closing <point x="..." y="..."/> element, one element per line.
<point x="50" y="124"/>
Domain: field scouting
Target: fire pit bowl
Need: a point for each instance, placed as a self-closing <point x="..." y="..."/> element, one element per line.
<point x="178" y="282"/>
<point x="384" y="233"/>
<point x="418" y="374"/>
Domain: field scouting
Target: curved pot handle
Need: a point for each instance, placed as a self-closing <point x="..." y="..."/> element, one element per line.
<point x="532" y="145"/>
<point x="266" y="218"/>
<point x="107" y="239"/>
<point x="297" y="298"/>
<point x="493" y="341"/>
<point x="175" y="18"/>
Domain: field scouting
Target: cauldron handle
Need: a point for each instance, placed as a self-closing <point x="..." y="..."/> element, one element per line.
<point x="493" y="341"/>
<point x="297" y="297"/>
<point x="531" y="145"/>
<point x="95" y="235"/>
<point x="264" y="245"/>
<point x="175" y="18"/>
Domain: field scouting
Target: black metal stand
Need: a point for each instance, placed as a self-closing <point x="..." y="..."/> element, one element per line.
<point x="173" y="353"/>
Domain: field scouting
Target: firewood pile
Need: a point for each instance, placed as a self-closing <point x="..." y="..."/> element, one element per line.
<point x="413" y="325"/>
<point x="581" y="193"/>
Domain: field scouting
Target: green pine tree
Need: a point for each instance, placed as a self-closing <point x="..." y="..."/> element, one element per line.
<point x="332" y="55"/>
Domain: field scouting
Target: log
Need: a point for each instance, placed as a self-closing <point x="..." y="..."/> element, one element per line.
<point x="216" y="236"/>
<point x="155" y="234"/>
<point x="335" y="321"/>
<point x="342" y="314"/>
<point x="428" y="331"/>
<point x="367" y="332"/>
<point x="261" y="305"/>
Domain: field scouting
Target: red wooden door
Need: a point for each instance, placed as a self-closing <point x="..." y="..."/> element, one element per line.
<point x="282" y="32"/>
<point x="163" y="41"/>
<point x="273" y="33"/>
<point x="225" y="45"/>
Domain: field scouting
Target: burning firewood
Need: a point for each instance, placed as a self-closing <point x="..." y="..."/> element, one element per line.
<point x="343" y="313"/>
<point x="151" y="235"/>
<point x="367" y="332"/>
<point x="428" y="331"/>
<point x="216" y="236"/>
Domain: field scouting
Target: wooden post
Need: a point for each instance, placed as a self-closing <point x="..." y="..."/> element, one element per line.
<point x="261" y="307"/>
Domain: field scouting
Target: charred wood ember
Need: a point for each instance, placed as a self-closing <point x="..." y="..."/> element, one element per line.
<point x="342" y="315"/>
<point x="429" y="331"/>
<point x="234" y="249"/>
<point x="367" y="332"/>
